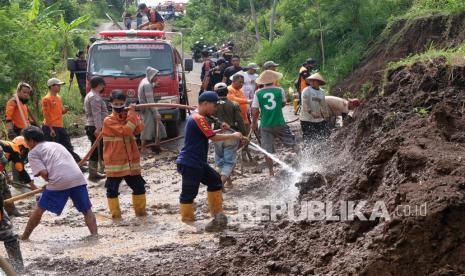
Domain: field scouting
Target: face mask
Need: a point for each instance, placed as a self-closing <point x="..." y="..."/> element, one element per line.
<point x="118" y="109"/>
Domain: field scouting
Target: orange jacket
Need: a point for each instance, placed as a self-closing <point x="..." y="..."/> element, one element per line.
<point x="303" y="82"/>
<point x="53" y="111"/>
<point x="13" y="115"/>
<point x="120" y="152"/>
<point x="238" y="96"/>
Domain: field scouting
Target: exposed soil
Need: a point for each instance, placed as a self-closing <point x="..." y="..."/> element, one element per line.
<point x="406" y="147"/>
<point x="403" y="38"/>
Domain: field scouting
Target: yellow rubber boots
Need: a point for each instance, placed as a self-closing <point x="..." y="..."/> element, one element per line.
<point x="113" y="205"/>
<point x="138" y="203"/>
<point x="215" y="205"/>
<point x="187" y="212"/>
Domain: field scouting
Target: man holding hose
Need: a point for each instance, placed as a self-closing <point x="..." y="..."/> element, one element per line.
<point x="193" y="166"/>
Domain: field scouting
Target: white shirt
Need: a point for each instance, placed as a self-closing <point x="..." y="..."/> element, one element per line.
<point x="250" y="85"/>
<point x="313" y="105"/>
<point x="63" y="171"/>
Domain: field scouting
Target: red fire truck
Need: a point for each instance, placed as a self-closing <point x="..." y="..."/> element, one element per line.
<point x="121" y="58"/>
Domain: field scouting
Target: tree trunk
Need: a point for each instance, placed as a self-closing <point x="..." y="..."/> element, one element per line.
<point x="273" y="15"/>
<point x="255" y="21"/>
<point x="321" y="36"/>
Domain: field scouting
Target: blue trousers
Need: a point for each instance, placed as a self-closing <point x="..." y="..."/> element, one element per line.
<point x="191" y="179"/>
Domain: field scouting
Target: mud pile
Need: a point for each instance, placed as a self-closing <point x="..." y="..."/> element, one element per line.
<point x="405" y="148"/>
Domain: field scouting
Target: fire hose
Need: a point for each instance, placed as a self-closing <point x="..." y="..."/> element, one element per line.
<point x="95" y="145"/>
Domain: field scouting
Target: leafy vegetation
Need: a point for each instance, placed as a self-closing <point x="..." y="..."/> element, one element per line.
<point x="38" y="36"/>
<point x="337" y="33"/>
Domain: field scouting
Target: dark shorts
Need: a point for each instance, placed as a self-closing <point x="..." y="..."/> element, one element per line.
<point x="191" y="179"/>
<point x="135" y="182"/>
<point x="55" y="201"/>
<point x="270" y="134"/>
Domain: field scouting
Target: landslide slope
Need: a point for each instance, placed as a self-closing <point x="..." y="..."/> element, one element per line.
<point x="401" y="39"/>
<point x="406" y="147"/>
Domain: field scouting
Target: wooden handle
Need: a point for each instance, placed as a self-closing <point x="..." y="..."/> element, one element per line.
<point x="40" y="190"/>
<point x="25" y="195"/>
<point x="89" y="153"/>
<point x="150" y="105"/>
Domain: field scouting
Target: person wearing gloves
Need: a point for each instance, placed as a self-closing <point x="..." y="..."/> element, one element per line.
<point x="151" y="116"/>
<point x="314" y="113"/>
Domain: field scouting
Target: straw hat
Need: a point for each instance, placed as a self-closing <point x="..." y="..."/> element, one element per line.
<point x="268" y="76"/>
<point x="317" y="77"/>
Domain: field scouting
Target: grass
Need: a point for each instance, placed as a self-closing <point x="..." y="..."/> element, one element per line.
<point x="453" y="56"/>
<point x="73" y="120"/>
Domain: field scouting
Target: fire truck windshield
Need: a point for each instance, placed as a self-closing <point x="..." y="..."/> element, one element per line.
<point x="130" y="60"/>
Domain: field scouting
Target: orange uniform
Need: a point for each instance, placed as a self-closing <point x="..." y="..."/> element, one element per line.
<point x="238" y="96"/>
<point x="12" y="113"/>
<point x="120" y="152"/>
<point x="302" y="82"/>
<point x="52" y="108"/>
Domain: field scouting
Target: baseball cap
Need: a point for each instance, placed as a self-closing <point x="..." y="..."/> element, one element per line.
<point x="310" y="61"/>
<point x="209" y="96"/>
<point x="219" y="86"/>
<point x="252" y="66"/>
<point x="54" y="81"/>
<point x="270" y="64"/>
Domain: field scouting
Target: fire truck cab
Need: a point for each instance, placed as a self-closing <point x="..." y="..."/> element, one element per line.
<point x="121" y="58"/>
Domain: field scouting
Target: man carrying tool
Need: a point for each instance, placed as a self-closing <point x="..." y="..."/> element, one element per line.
<point x="17" y="112"/>
<point x="121" y="155"/>
<point x="192" y="164"/>
<point x="269" y="102"/>
<point x="226" y="151"/>
<point x="153" y="126"/>
<point x="16" y="152"/>
<point x="56" y="165"/>
<point x="96" y="111"/>
<point x="81" y="73"/>
<point x="9" y="239"/>
<point x="156" y="21"/>
<point x="53" y="110"/>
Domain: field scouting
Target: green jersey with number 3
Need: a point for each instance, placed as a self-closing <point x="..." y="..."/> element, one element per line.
<point x="271" y="106"/>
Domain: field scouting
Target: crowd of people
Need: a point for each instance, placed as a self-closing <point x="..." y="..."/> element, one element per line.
<point x="155" y="20"/>
<point x="234" y="103"/>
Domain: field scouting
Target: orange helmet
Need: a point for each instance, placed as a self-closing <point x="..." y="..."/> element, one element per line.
<point x="19" y="141"/>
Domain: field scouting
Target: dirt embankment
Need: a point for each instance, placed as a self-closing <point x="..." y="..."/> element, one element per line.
<point x="404" y="38"/>
<point x="405" y="148"/>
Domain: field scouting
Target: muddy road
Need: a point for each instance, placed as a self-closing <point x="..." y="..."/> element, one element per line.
<point x="60" y="244"/>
